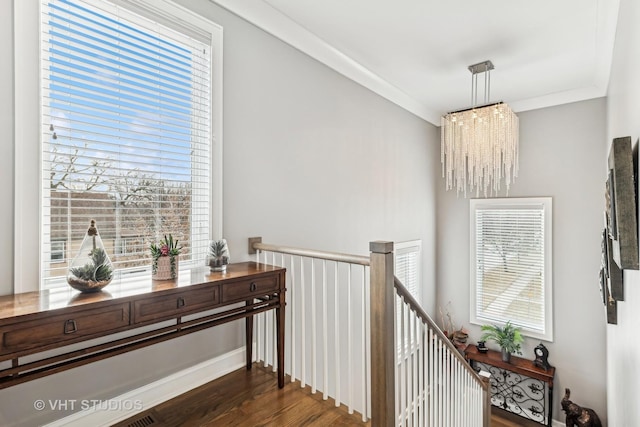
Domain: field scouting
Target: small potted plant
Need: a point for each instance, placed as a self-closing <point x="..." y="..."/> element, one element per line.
<point x="91" y="270"/>
<point x="165" y="259"/>
<point x="508" y="337"/>
<point x="94" y="275"/>
<point x="218" y="255"/>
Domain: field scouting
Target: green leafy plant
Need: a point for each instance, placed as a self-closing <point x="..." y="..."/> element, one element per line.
<point x="96" y="270"/>
<point x="217" y="248"/>
<point x="218" y="255"/>
<point x="508" y="337"/>
<point x="166" y="247"/>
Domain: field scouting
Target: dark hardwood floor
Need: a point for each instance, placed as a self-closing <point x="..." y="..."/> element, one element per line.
<point x="500" y="418"/>
<point x="252" y="398"/>
<point x="246" y="398"/>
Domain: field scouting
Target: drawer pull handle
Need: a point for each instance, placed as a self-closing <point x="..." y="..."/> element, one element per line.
<point x="70" y="326"/>
<point x="253" y="287"/>
<point x="181" y="302"/>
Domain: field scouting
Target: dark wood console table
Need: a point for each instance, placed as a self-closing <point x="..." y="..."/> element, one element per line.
<point x="519" y="386"/>
<point x="35" y="322"/>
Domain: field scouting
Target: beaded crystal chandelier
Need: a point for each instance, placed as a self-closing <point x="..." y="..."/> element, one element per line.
<point x="479" y="145"/>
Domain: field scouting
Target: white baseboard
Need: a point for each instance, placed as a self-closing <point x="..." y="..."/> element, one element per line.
<point x="133" y="402"/>
<point x="556" y="423"/>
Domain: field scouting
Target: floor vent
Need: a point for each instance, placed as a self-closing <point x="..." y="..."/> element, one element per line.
<point x="143" y="421"/>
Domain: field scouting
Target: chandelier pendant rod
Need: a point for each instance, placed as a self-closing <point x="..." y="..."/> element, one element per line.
<point x="487" y="85"/>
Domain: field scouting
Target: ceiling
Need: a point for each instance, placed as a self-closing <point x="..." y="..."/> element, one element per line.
<point x="416" y="52"/>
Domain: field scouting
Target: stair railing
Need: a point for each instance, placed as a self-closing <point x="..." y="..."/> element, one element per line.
<point x="354" y="333"/>
<point x="326" y="326"/>
<point x="420" y="378"/>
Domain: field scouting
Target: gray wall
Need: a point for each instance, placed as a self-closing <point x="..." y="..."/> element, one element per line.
<point x="6" y="159"/>
<point x="311" y="159"/>
<point x="560" y="156"/>
<point x="623" y="105"/>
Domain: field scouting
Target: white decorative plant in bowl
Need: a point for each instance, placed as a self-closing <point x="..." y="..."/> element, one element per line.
<point x="218" y="257"/>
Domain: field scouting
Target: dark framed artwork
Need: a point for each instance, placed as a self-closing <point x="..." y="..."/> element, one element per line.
<point x="610" y="304"/>
<point x="612" y="311"/>
<point x="622" y="223"/>
<point x="611" y="280"/>
<point x="614" y="274"/>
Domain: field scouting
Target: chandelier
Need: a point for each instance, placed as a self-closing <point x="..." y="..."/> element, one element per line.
<point x="479" y="145"/>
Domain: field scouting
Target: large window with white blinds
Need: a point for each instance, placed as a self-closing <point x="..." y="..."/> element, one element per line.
<point x="126" y="133"/>
<point x="511" y="264"/>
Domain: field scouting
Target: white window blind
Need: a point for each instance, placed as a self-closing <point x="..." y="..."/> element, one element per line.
<point x="510" y="262"/>
<point x="407" y="269"/>
<point x="408" y="256"/>
<point x="126" y="132"/>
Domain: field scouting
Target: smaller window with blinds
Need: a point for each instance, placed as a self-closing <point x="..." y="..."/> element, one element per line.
<point x="407" y="265"/>
<point x="511" y="264"/>
<point x="407" y="269"/>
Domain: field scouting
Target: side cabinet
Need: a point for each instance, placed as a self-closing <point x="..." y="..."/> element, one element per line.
<point x="30" y="324"/>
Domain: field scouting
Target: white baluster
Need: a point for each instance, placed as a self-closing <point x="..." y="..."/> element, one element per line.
<point x="367" y="339"/>
<point x="303" y="331"/>
<point x="421" y="382"/>
<point x="325" y="345"/>
<point x="257" y="325"/>
<point x="414" y="359"/>
<point x="313" y="327"/>
<point x="397" y="338"/>
<point x="432" y="374"/>
<point x="363" y="346"/>
<point x="440" y="384"/>
<point x="294" y="320"/>
<point x="349" y="341"/>
<point x="336" y="335"/>
<point x="274" y="347"/>
<point x="403" y="376"/>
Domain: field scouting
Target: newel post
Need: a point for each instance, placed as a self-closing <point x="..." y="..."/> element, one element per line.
<point x="382" y="339"/>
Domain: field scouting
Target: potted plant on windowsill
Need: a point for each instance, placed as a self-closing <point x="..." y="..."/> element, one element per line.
<point x="91" y="270"/>
<point x="164" y="256"/>
<point x="218" y="255"/>
<point x="508" y="337"/>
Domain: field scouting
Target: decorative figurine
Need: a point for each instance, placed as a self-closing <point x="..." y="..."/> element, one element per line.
<point x="542" y="354"/>
<point x="482" y="348"/>
<point x="577" y="415"/>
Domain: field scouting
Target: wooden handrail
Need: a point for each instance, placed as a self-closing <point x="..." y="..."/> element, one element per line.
<point x="311" y="253"/>
<point x="415" y="306"/>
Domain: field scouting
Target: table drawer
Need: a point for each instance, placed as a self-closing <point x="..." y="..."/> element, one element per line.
<point x="248" y="289"/>
<point x="175" y="305"/>
<point x="54" y="331"/>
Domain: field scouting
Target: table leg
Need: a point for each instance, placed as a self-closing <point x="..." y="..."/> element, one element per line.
<point x="549" y="420"/>
<point x="280" y="336"/>
<point x="249" y="337"/>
